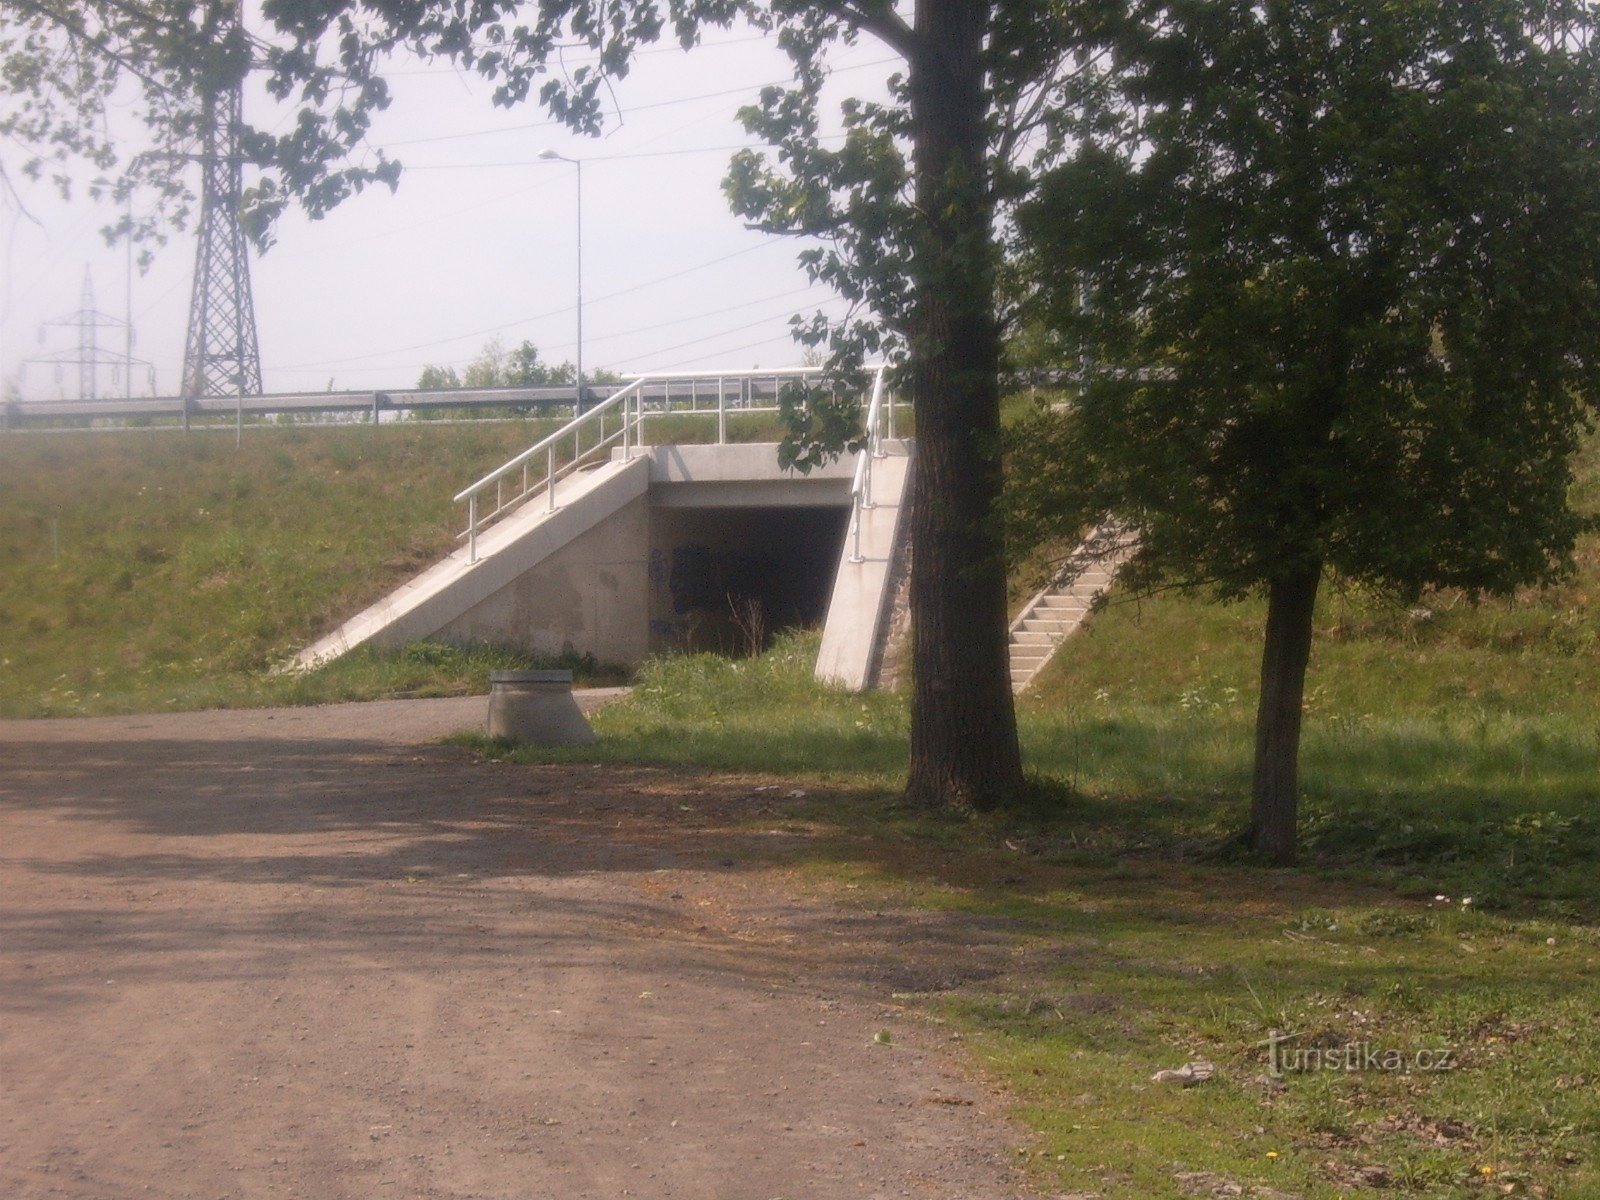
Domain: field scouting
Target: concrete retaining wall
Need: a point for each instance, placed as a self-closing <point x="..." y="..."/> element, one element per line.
<point x="586" y="596"/>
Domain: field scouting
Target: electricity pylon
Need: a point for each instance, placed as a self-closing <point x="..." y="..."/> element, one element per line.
<point x="89" y="354"/>
<point x="221" y="355"/>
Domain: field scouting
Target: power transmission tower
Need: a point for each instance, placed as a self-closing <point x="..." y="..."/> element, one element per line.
<point x="1569" y="25"/>
<point x="89" y="355"/>
<point x="221" y="357"/>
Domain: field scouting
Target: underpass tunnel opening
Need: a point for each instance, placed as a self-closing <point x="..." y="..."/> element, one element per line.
<point x="727" y="580"/>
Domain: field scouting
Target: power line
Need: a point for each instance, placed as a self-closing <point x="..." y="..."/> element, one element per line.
<point x="744" y="90"/>
<point x="622" y="157"/>
<point x="653" y="354"/>
<point x="562" y="347"/>
<point x="222" y="356"/>
<point x="88" y="321"/>
<point x="699" y="47"/>
<point x="683" y="362"/>
<point x="611" y="337"/>
<point x="554" y="312"/>
<point x="542" y="185"/>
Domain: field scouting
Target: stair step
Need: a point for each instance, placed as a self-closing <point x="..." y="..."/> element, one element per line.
<point x="1023" y="637"/>
<point x="1063" y="604"/>
<point x="1021" y="656"/>
<point x="1048" y="625"/>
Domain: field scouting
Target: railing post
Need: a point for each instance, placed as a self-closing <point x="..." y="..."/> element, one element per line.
<point x="722" y="411"/>
<point x="550" y="479"/>
<point x="472" y="527"/>
<point x="856" y="555"/>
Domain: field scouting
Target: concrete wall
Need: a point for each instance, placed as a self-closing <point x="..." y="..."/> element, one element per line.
<point x="589" y="596"/>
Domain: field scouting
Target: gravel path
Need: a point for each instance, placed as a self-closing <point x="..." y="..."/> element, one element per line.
<point x="303" y="952"/>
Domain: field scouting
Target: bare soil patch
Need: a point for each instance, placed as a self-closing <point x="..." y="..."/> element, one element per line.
<point x="302" y="952"/>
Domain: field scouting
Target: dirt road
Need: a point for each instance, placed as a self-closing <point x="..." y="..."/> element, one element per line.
<point x="302" y="952"/>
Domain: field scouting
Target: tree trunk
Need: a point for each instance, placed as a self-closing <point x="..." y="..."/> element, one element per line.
<point x="1274" y="791"/>
<point x="963" y="725"/>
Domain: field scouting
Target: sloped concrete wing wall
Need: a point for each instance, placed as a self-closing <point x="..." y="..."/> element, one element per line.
<point x="588" y="596"/>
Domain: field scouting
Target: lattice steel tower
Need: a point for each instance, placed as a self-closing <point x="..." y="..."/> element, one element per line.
<point x="221" y="357"/>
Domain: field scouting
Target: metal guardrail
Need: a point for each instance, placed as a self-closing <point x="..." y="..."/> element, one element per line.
<point x="592" y="435"/>
<point x="19" y="414"/>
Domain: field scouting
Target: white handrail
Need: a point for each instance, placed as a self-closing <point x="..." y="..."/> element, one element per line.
<point x="631" y="401"/>
<point x="538" y="447"/>
<point x="774" y="373"/>
<point x="861" y="485"/>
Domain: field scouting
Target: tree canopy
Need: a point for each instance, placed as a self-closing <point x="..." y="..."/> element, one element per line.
<point x="495" y="366"/>
<point x="1333" y="270"/>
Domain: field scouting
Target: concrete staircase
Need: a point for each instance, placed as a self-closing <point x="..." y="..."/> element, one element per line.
<point x="1057" y="611"/>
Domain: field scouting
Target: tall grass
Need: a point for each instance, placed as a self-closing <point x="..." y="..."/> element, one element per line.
<point x="765" y="714"/>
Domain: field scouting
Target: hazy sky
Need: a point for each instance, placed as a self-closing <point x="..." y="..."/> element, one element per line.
<point x="478" y="242"/>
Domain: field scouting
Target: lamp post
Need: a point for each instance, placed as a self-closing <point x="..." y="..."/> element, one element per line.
<point x="554" y="156"/>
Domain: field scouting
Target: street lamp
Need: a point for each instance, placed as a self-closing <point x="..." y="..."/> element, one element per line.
<point x="553" y="156"/>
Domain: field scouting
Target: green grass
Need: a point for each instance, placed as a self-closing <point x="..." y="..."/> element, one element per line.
<point x="1115" y="970"/>
<point x="1447" y="900"/>
<point x="763" y="714"/>
<point x="149" y="570"/>
<point x="1497" y="804"/>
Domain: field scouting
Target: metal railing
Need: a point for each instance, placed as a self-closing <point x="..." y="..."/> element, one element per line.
<point x="878" y="425"/>
<point x="621" y="420"/>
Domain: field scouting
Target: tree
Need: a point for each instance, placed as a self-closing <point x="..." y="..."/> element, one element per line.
<point x="438" y="377"/>
<point x="910" y="239"/>
<point x="523" y="369"/>
<point x="1337" y="264"/>
<point x="496" y="367"/>
<point x="906" y="213"/>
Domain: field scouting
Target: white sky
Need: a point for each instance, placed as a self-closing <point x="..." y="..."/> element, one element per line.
<point x="478" y="242"/>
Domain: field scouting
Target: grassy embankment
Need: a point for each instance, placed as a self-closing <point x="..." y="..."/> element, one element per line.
<point x="149" y="570"/>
